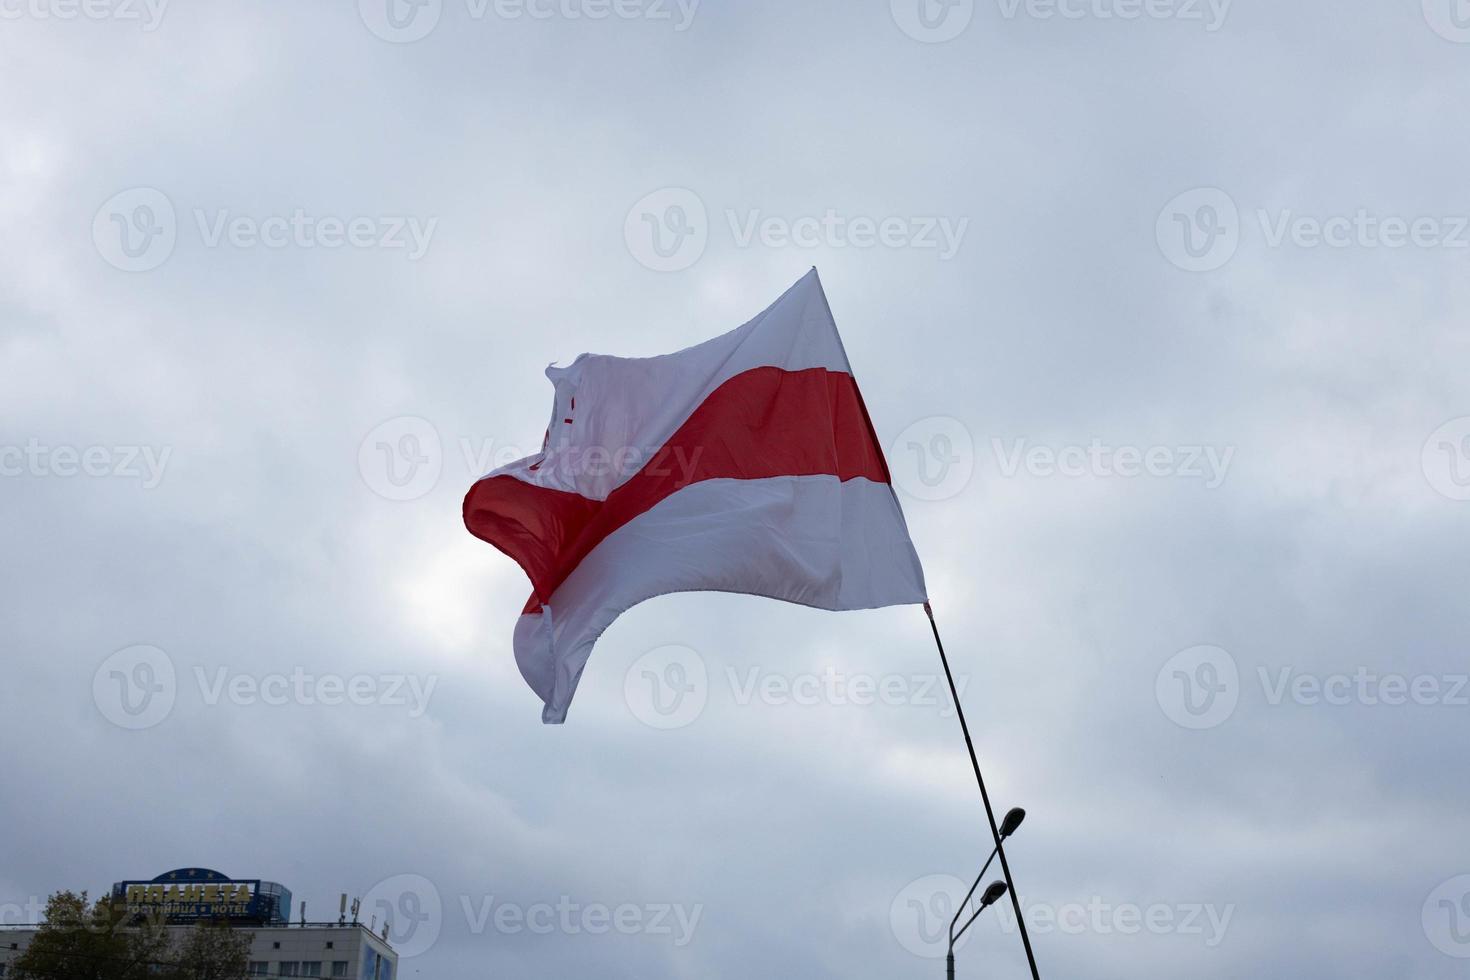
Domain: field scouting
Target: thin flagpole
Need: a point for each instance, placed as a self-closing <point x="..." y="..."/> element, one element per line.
<point x="989" y="812"/>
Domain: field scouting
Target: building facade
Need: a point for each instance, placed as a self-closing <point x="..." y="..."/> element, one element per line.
<point x="278" y="947"/>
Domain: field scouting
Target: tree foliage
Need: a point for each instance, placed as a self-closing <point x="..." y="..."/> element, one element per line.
<point x="211" y="953"/>
<point x="102" y="942"/>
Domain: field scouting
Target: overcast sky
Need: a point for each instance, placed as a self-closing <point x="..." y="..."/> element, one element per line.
<point x="1158" y="305"/>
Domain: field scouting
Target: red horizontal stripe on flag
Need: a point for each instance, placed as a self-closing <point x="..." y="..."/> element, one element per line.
<point x="762" y="423"/>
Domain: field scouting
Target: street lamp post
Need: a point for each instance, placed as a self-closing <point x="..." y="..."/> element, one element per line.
<point x="991" y="896"/>
<point x="1008" y="826"/>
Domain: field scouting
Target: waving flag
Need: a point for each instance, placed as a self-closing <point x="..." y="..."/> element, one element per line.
<point x="744" y="464"/>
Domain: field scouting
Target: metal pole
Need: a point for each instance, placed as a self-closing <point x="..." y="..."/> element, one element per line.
<point x="949" y="965"/>
<point x="985" y="796"/>
<point x="964" y="904"/>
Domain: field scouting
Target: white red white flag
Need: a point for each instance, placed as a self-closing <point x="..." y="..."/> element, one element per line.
<point x="745" y="464"/>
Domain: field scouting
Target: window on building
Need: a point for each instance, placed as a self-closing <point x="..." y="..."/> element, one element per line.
<point x="258" y="968"/>
<point x="339" y="968"/>
<point x="311" y="968"/>
<point x="290" y="968"/>
<point x="375" y="966"/>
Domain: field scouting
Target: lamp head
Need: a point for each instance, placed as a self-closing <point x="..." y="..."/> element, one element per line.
<point x="1012" y="822"/>
<point x="992" y="894"/>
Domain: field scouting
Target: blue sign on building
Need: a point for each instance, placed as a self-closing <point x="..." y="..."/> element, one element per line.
<point x="199" y="895"/>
